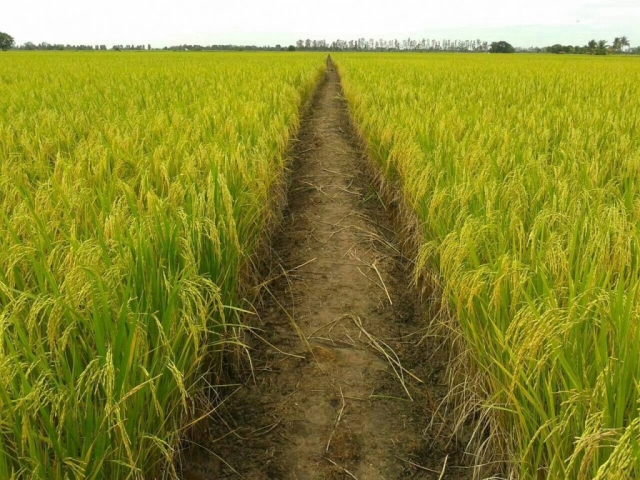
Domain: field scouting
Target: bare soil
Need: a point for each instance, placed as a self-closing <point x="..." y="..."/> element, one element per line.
<point x="344" y="385"/>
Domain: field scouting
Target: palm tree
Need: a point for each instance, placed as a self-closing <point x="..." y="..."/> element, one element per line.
<point x="592" y="46"/>
<point x="602" y="47"/>
<point x="617" y="45"/>
<point x="624" y="42"/>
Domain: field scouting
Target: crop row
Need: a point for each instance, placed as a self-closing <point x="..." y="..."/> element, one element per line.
<point x="522" y="173"/>
<point x="133" y="193"/>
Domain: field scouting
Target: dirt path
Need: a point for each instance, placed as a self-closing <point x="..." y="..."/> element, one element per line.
<point x="342" y="308"/>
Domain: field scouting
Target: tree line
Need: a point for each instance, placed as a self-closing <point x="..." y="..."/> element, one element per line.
<point x="60" y="46"/>
<point x="383" y="45"/>
<point x="593" y="47"/>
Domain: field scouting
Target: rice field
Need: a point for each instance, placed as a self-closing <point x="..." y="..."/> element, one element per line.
<point x="134" y="191"/>
<point x="522" y="173"/>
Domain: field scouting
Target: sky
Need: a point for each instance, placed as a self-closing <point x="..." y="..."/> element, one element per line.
<point x="270" y="22"/>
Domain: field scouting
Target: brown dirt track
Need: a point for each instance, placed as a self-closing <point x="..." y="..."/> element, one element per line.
<point x="341" y="390"/>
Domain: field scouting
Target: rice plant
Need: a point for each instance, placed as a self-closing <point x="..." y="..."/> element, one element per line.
<point x="523" y="175"/>
<point x="134" y="189"/>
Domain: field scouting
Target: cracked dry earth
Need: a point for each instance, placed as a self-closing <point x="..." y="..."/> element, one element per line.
<point x="341" y="389"/>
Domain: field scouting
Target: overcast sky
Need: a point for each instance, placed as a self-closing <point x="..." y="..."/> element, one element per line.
<point x="170" y="22"/>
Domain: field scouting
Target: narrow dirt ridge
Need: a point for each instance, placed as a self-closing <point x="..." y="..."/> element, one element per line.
<point x="326" y="399"/>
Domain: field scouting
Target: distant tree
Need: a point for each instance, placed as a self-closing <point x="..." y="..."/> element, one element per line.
<point x="557" y="48"/>
<point x="592" y="46"/>
<point x="617" y="45"/>
<point x="6" y="41"/>
<point x="602" y="48"/>
<point x="501" y="47"/>
<point x="624" y="42"/>
<point x="291" y="48"/>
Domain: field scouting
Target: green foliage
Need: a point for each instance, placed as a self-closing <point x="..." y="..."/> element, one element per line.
<point x="501" y="47"/>
<point x="6" y="41"/>
<point x="602" y="47"/>
<point x="524" y="178"/>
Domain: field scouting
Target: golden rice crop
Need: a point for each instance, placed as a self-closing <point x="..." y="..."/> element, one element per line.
<point x="133" y="191"/>
<point x="523" y="173"/>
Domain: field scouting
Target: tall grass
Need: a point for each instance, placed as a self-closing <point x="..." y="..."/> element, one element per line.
<point x="523" y="173"/>
<point x="133" y="191"/>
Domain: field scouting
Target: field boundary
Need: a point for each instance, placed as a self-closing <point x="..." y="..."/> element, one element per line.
<point x="252" y="282"/>
<point x="335" y="382"/>
<point x="258" y="265"/>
